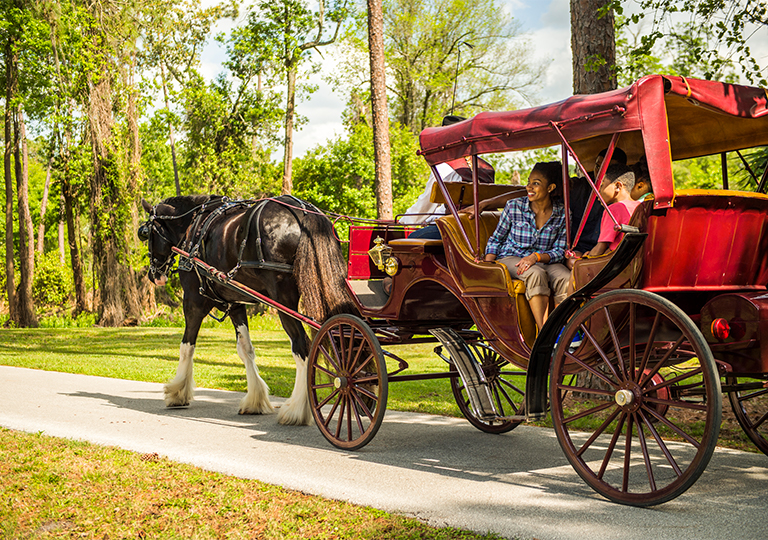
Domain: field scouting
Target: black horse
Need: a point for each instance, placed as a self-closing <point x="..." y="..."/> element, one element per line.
<point x="282" y="248"/>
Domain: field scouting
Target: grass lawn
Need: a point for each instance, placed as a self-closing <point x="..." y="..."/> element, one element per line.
<point x="54" y="488"/>
<point x="152" y="354"/>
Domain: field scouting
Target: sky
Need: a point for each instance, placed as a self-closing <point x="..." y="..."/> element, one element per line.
<point x="546" y="23"/>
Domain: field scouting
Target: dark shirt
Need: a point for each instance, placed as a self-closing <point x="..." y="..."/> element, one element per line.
<point x="579" y="197"/>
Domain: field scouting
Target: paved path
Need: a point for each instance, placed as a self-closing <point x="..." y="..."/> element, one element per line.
<point x="438" y="469"/>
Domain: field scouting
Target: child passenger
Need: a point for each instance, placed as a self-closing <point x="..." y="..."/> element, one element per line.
<point x="615" y="190"/>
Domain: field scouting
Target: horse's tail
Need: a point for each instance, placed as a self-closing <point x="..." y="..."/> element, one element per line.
<point x="320" y="270"/>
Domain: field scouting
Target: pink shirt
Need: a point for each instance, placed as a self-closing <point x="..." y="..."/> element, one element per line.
<point x="622" y="211"/>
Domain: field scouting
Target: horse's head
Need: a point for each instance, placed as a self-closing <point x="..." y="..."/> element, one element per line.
<point x="160" y="240"/>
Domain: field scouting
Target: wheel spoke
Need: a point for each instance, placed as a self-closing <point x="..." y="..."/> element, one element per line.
<point x="361" y="404"/>
<point x="675" y="380"/>
<point x="599" y="431"/>
<point x="592" y="370"/>
<point x="616" y="344"/>
<point x="586" y="390"/>
<point x="646" y="456"/>
<point x="333" y="411"/>
<point x="329" y="398"/>
<point x="632" y="338"/>
<point x="602" y="354"/>
<point x="677" y="403"/>
<point x="662" y="445"/>
<point x="653" y="371"/>
<point x="362" y="365"/>
<point x="611" y="446"/>
<point x="588" y="412"/>
<point x="340" y="421"/>
<point x="329" y="357"/>
<point x="753" y="395"/>
<point x="627" y="455"/>
<point x="325" y="370"/>
<point x="674" y="428"/>
<point x="649" y="346"/>
<point x="366" y="392"/>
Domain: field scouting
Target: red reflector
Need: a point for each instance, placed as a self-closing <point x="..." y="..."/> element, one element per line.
<point x="721" y="329"/>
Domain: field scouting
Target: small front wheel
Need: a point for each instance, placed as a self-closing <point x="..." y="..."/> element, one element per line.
<point x="347" y="379"/>
<point x="635" y="397"/>
<point x="749" y="401"/>
<point x="507" y="387"/>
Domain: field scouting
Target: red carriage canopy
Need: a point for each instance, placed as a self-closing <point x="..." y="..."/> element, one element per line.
<point x="663" y="118"/>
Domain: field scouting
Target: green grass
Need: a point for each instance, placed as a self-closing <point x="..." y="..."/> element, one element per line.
<point x="54" y="488"/>
<point x="152" y="354"/>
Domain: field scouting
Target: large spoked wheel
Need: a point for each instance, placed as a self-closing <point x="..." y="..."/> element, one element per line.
<point x="507" y="390"/>
<point x="347" y="382"/>
<point x="635" y="397"/>
<point x="750" y="405"/>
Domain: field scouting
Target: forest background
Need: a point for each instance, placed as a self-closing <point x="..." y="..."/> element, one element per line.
<point x="105" y="104"/>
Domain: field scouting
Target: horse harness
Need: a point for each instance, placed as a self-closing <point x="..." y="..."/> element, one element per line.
<point x="194" y="243"/>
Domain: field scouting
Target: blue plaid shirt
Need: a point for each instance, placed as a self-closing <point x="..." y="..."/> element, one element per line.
<point x="516" y="234"/>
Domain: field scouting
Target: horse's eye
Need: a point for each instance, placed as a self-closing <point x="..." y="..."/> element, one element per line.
<point x="143" y="232"/>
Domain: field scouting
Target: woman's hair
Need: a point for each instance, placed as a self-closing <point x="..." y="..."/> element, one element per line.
<point x="553" y="172"/>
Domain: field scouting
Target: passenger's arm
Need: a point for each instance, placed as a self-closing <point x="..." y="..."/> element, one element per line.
<point x="599" y="249"/>
<point x="496" y="202"/>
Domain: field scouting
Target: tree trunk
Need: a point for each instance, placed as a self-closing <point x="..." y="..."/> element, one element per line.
<point x="593" y="44"/>
<point x="108" y="210"/>
<point x="170" y="131"/>
<point x="26" y="316"/>
<point x="62" y="253"/>
<point x="74" y="252"/>
<point x="289" y="114"/>
<point x="379" y="111"/>
<point x="43" y="206"/>
<point x="10" y="77"/>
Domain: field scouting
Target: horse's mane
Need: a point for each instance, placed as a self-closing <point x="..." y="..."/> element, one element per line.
<point x="184" y="203"/>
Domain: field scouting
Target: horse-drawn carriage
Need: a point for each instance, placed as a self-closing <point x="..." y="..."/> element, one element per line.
<point x="632" y="365"/>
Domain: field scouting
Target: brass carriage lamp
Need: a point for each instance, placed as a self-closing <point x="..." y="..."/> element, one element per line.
<point x="381" y="255"/>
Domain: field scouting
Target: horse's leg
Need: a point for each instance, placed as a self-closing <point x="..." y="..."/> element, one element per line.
<point x="180" y="391"/>
<point x="295" y="411"/>
<point x="256" y="400"/>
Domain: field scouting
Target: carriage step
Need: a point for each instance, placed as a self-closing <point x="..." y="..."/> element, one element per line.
<point x="470" y="371"/>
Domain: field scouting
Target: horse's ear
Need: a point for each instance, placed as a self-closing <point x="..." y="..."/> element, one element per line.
<point x="147" y="207"/>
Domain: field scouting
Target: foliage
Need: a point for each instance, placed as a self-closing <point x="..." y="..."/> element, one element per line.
<point x="675" y="56"/>
<point x="52" y="285"/>
<point x="434" y="46"/>
<point x="715" y="32"/>
<point x="222" y="153"/>
<point x="339" y="177"/>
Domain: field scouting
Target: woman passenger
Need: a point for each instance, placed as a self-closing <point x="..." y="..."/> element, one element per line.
<point x="530" y="239"/>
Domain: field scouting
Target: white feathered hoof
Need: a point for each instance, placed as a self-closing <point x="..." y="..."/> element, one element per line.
<point x="256" y="401"/>
<point x="249" y="405"/>
<point x="295" y="413"/>
<point x="176" y="396"/>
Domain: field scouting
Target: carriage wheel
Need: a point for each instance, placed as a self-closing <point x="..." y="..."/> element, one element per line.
<point x="750" y="405"/>
<point x="507" y="390"/>
<point x="347" y="382"/>
<point x="635" y="397"/>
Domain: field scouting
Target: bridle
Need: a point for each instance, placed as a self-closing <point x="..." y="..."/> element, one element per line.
<point x="153" y="225"/>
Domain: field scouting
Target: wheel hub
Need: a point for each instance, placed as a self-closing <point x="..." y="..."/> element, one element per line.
<point x="340" y="382"/>
<point x="624" y="398"/>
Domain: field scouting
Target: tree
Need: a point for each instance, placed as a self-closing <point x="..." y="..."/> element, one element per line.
<point x="432" y="42"/>
<point x="282" y="33"/>
<point x="380" y="110"/>
<point x="721" y="28"/>
<point x="174" y="34"/>
<point x="593" y="47"/>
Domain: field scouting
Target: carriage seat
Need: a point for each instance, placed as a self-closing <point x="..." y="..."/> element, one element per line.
<point x="476" y="278"/>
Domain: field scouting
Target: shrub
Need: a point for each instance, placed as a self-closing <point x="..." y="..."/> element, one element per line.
<point x="53" y="281"/>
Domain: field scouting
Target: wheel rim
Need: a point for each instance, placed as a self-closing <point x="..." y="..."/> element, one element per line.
<point x="750" y="405"/>
<point x="633" y="437"/>
<point x="347" y="382"/>
<point x="507" y="390"/>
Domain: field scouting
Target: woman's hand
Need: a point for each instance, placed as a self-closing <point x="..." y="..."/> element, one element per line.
<point x="490" y="257"/>
<point x="525" y="263"/>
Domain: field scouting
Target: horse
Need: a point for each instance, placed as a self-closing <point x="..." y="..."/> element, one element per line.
<point x="283" y="248"/>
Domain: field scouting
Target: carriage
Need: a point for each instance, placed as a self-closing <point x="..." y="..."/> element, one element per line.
<point x="632" y="367"/>
<point x="635" y="362"/>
